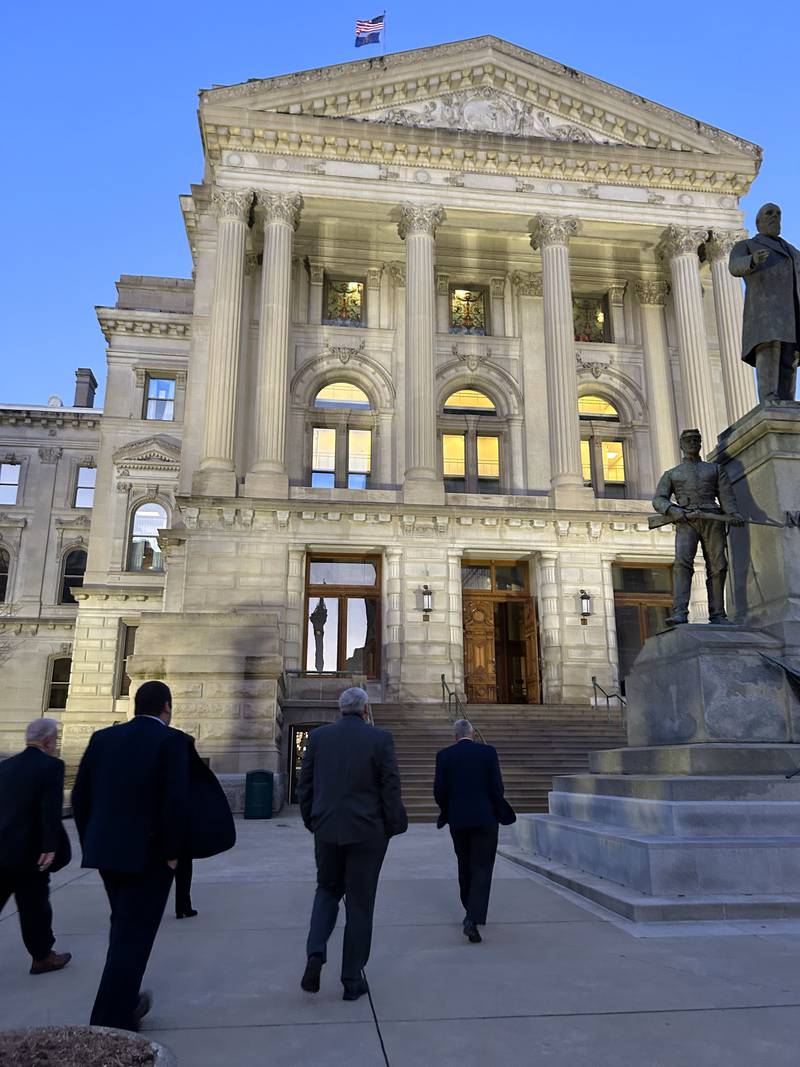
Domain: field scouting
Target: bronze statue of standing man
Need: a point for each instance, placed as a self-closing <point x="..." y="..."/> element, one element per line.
<point x="770" y="267"/>
<point x="703" y="507"/>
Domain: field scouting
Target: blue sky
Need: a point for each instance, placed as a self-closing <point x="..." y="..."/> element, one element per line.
<point x="100" y="134"/>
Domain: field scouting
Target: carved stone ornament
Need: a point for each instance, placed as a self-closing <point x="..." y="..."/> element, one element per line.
<point x="498" y="287"/>
<point x="50" y="455"/>
<point x="374" y="277"/>
<point x="344" y="353"/>
<point x="316" y="272"/>
<point x="472" y="359"/>
<point x="652" y="292"/>
<point x="420" y="219"/>
<point x="252" y="261"/>
<point x="385" y="174"/>
<point x="720" y="243"/>
<point x="442" y="283"/>
<point x="397" y="273"/>
<point x="616" y="292"/>
<point x="280" y="207"/>
<point x="593" y="361"/>
<point x="680" y="241"/>
<point x="526" y="283"/>
<point x="232" y="203"/>
<point x="552" y="230"/>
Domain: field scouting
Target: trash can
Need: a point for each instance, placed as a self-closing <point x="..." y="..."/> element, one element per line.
<point x="258" y="795"/>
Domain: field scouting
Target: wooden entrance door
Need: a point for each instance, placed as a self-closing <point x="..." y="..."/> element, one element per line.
<point x="531" y="636"/>
<point x="479" y="664"/>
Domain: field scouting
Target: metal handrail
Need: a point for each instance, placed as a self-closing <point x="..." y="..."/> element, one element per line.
<point x="623" y="703"/>
<point x="451" y="700"/>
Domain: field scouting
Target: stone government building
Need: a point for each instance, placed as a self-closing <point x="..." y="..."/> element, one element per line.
<point x="448" y="313"/>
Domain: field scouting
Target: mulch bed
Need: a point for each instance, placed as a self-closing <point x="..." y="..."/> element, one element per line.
<point x="72" y="1046"/>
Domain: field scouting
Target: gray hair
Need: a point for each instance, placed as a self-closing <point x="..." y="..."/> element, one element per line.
<point x="39" y="730"/>
<point x="463" y="728"/>
<point x="353" y="701"/>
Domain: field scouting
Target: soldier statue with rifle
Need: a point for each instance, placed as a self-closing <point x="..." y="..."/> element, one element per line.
<point x="702" y="509"/>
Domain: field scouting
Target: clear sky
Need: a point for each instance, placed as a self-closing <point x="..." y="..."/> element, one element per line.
<point x="100" y="134"/>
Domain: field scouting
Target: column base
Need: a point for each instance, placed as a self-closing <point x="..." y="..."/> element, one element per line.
<point x="214" y="483"/>
<point x="573" y="497"/>
<point x="267" y="485"/>
<point x="423" y="491"/>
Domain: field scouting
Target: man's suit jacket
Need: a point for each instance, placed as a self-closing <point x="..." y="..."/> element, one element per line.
<point x="349" y="788"/>
<point x="211" y="827"/>
<point x="131" y="796"/>
<point x="772" y="292"/>
<point x="31" y="799"/>
<point x="468" y="787"/>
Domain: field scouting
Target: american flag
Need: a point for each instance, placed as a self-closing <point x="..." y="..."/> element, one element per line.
<point x="368" y="31"/>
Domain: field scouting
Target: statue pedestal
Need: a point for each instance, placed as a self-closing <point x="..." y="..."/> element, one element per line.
<point x="696" y="820"/>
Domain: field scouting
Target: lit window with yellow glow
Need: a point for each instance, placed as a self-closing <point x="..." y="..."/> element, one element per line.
<point x="613" y="462"/>
<point x="342" y="395"/>
<point x="323" y="458"/>
<point x="469" y="400"/>
<point x="489" y="458"/>
<point x="596" y="407"/>
<point x="586" y="462"/>
<point x="344" y="303"/>
<point x="454" y="455"/>
<point x="359" y="458"/>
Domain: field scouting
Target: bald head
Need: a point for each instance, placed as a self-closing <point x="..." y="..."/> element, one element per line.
<point x="768" y="220"/>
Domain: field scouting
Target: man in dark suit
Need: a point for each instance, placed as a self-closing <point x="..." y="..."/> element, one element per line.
<point x="468" y="788"/>
<point x="33" y="842"/>
<point x="349" y="794"/>
<point x="130" y="804"/>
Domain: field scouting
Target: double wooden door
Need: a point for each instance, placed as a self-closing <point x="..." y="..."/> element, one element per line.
<point x="501" y="654"/>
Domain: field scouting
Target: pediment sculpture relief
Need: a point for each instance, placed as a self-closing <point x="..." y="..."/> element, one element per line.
<point x="486" y="110"/>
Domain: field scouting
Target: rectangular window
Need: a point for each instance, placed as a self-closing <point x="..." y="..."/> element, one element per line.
<point x="590" y="319"/>
<point x="488" y="464"/>
<point x="59" y="684"/>
<point x="586" y="462"/>
<point x="160" y="400"/>
<point x="127" y="642"/>
<point x="613" y="462"/>
<point x="454" y="458"/>
<point x="359" y="458"/>
<point x="468" y="310"/>
<point x="9" y="482"/>
<point x="84" y="489"/>
<point x="323" y="458"/>
<point x="344" y="303"/>
<point x="343" y="616"/>
<point x="343" y="572"/>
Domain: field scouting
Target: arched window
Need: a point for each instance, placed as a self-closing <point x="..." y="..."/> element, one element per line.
<point x="72" y="573"/>
<point x="602" y="446"/>
<point x="58" y="683"/>
<point x="144" y="553"/>
<point x="470" y="443"/>
<point x="5" y="565"/>
<point x="341" y="442"/>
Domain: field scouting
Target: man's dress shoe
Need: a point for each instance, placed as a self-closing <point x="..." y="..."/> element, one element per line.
<point x="356" y="989"/>
<point x="310" y="980"/>
<point x="143" y="1006"/>
<point x="54" y="962"/>
<point x="187" y="913"/>
<point x="471" y="931"/>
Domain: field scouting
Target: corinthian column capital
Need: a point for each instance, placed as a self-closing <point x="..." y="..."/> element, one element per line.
<point x="420" y="218"/>
<point x="280" y="207"/>
<point x="720" y="243"/>
<point x="232" y="203"/>
<point x="652" y="292"/>
<point x="680" y="241"/>
<point x="552" y="230"/>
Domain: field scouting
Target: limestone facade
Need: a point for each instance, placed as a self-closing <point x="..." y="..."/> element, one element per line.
<point x="476" y="167"/>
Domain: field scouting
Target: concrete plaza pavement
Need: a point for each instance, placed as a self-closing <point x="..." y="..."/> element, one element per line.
<point x="554" y="983"/>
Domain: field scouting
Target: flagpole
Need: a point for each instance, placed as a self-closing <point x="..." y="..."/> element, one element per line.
<point x="384" y="32"/>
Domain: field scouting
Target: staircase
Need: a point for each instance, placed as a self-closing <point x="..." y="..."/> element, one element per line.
<point x="534" y="743"/>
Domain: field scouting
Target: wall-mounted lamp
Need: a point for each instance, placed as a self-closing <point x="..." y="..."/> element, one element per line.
<point x="586" y="606"/>
<point x="427" y="603"/>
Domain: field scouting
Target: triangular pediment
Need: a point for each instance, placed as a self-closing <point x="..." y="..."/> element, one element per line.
<point x="483" y="85"/>
<point x="159" y="452"/>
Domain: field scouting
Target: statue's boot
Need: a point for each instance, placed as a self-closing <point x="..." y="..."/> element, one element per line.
<point x="768" y="356"/>
<point x="681" y="590"/>
<point x="715" y="585"/>
<point x="677" y="618"/>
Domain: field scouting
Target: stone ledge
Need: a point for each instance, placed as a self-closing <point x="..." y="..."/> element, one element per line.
<point x="719" y="759"/>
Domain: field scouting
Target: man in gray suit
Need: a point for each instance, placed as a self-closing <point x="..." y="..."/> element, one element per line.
<point x="770" y="267"/>
<point x="349" y="794"/>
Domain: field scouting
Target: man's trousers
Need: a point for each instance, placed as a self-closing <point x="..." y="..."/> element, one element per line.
<point x="31" y="890"/>
<point x="475" y="848"/>
<point x="349" y="871"/>
<point x="137" y="904"/>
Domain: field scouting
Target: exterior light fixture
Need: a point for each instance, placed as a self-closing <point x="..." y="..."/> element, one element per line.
<point x="586" y="606"/>
<point x="427" y="603"/>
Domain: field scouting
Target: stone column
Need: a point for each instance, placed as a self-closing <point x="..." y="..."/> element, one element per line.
<point x="316" y="276"/>
<point x="217" y="474"/>
<point x="442" y="302"/>
<point x="516" y="474"/>
<point x="663" y="439"/>
<point x="551" y="234"/>
<point x="738" y="379"/>
<point x="550" y="627"/>
<point x="373" y="295"/>
<point x="679" y="246"/>
<point x="528" y="288"/>
<point x="616" y="307"/>
<point x="393" y="621"/>
<point x="497" y="314"/>
<point x="293" y="640"/>
<point x="382" y="464"/>
<point x="268" y="477"/>
<point x="423" y="484"/>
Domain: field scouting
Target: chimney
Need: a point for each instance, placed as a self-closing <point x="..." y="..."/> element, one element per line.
<point x="85" y="385"/>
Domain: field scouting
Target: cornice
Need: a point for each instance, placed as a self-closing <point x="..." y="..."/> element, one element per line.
<point x="228" y="130"/>
<point x="154" y="324"/>
<point x="73" y="418"/>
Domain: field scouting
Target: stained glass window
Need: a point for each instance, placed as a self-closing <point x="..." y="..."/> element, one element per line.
<point x="344" y="303"/>
<point x="470" y="400"/>
<point x="590" y="318"/>
<point x="468" y="311"/>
